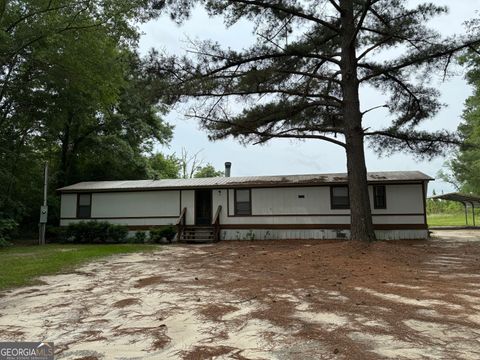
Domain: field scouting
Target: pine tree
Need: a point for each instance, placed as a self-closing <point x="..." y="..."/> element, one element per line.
<point x="302" y="78"/>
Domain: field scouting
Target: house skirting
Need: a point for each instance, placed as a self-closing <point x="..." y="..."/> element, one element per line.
<point x="283" y="234"/>
<point x="288" y="231"/>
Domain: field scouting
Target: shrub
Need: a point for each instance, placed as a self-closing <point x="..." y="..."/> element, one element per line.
<point x="7" y="226"/>
<point x="167" y="232"/>
<point x="55" y="234"/>
<point x="95" y="232"/>
<point x="140" y="237"/>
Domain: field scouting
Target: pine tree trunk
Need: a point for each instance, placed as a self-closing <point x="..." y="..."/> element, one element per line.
<point x="361" y="216"/>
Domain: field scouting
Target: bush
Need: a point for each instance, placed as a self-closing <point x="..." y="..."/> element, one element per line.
<point x="157" y="234"/>
<point x="7" y="226"/>
<point x="55" y="234"/>
<point x="140" y="237"/>
<point x="95" y="232"/>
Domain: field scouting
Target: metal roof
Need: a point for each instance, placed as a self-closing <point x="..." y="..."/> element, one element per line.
<point x="245" y="181"/>
<point x="463" y="198"/>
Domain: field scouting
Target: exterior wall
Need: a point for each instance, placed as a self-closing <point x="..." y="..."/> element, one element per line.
<point x="273" y="211"/>
<point x="220" y="198"/>
<point x="284" y="201"/>
<point x="135" y="209"/>
<point x="188" y="201"/>
<point x="405" y="205"/>
<point x="136" y="204"/>
<point x="68" y="206"/>
<point x="401" y="199"/>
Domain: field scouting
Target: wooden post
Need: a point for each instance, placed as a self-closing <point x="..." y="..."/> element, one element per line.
<point x="43" y="209"/>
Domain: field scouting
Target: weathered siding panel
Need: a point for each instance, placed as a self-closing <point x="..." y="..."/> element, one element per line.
<point x="274" y="234"/>
<point x="135" y="204"/>
<point x="231" y="201"/>
<point x="401" y="234"/>
<point x="344" y="219"/>
<point x="301" y="201"/>
<point x="398" y="219"/>
<point x="401" y="199"/>
<point x="320" y="234"/>
<point x="188" y="201"/>
<point x="68" y="207"/>
<point x="219" y="197"/>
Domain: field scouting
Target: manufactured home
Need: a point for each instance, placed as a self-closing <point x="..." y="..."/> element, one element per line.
<point x="254" y="207"/>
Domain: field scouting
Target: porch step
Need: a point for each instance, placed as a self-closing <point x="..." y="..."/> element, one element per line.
<point x="197" y="234"/>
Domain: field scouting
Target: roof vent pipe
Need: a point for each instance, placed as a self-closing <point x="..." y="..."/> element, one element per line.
<point x="228" y="167"/>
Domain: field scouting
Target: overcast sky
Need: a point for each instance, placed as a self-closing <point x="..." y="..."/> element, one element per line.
<point x="281" y="157"/>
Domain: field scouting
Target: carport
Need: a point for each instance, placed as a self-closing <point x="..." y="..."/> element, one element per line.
<point x="465" y="199"/>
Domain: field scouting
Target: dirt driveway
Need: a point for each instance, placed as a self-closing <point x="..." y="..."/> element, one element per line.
<point x="262" y="300"/>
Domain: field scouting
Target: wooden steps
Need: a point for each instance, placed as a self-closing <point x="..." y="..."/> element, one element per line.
<point x="197" y="234"/>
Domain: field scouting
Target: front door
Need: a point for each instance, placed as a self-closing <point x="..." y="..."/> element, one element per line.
<point x="203" y="207"/>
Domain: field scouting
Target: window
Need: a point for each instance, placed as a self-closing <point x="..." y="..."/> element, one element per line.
<point x="339" y="197"/>
<point x="243" y="202"/>
<point x="84" y="206"/>
<point x="379" y="197"/>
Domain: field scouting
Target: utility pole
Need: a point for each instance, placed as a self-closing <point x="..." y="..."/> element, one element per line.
<point x="43" y="209"/>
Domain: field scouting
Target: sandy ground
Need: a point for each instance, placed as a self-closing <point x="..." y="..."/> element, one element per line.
<point x="262" y="300"/>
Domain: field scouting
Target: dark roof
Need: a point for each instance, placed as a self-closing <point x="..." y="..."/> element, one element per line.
<point x="245" y="181"/>
<point x="456" y="196"/>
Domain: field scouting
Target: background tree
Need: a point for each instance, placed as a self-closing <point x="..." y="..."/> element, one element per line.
<point x="73" y="92"/>
<point x="302" y="79"/>
<point x="164" y="166"/>
<point x="192" y="166"/>
<point x="463" y="170"/>
<point x="208" y="171"/>
<point x="190" y="163"/>
<point x="186" y="166"/>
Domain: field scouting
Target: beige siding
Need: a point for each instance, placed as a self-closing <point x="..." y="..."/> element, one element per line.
<point x="135" y="204"/>
<point x="281" y="201"/>
<point x="399" y="219"/>
<point x="401" y="199"/>
<point x="219" y="197"/>
<point x="231" y="199"/>
<point x="68" y="208"/>
<point x="270" y="206"/>
<point x="188" y="201"/>
<point x="344" y="219"/>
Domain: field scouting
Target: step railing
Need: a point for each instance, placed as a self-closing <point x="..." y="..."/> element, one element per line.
<point x="216" y="224"/>
<point x="180" y="224"/>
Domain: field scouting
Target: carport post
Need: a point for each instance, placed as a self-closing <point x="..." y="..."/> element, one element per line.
<point x="466" y="213"/>
<point x="473" y="212"/>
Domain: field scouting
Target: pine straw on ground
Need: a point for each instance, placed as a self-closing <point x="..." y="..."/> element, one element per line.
<point x="329" y="274"/>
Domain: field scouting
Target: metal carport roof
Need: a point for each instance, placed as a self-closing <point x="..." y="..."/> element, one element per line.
<point x="465" y="199"/>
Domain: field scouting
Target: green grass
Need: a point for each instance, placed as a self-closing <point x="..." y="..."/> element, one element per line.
<point x="455" y="219"/>
<point x="21" y="265"/>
